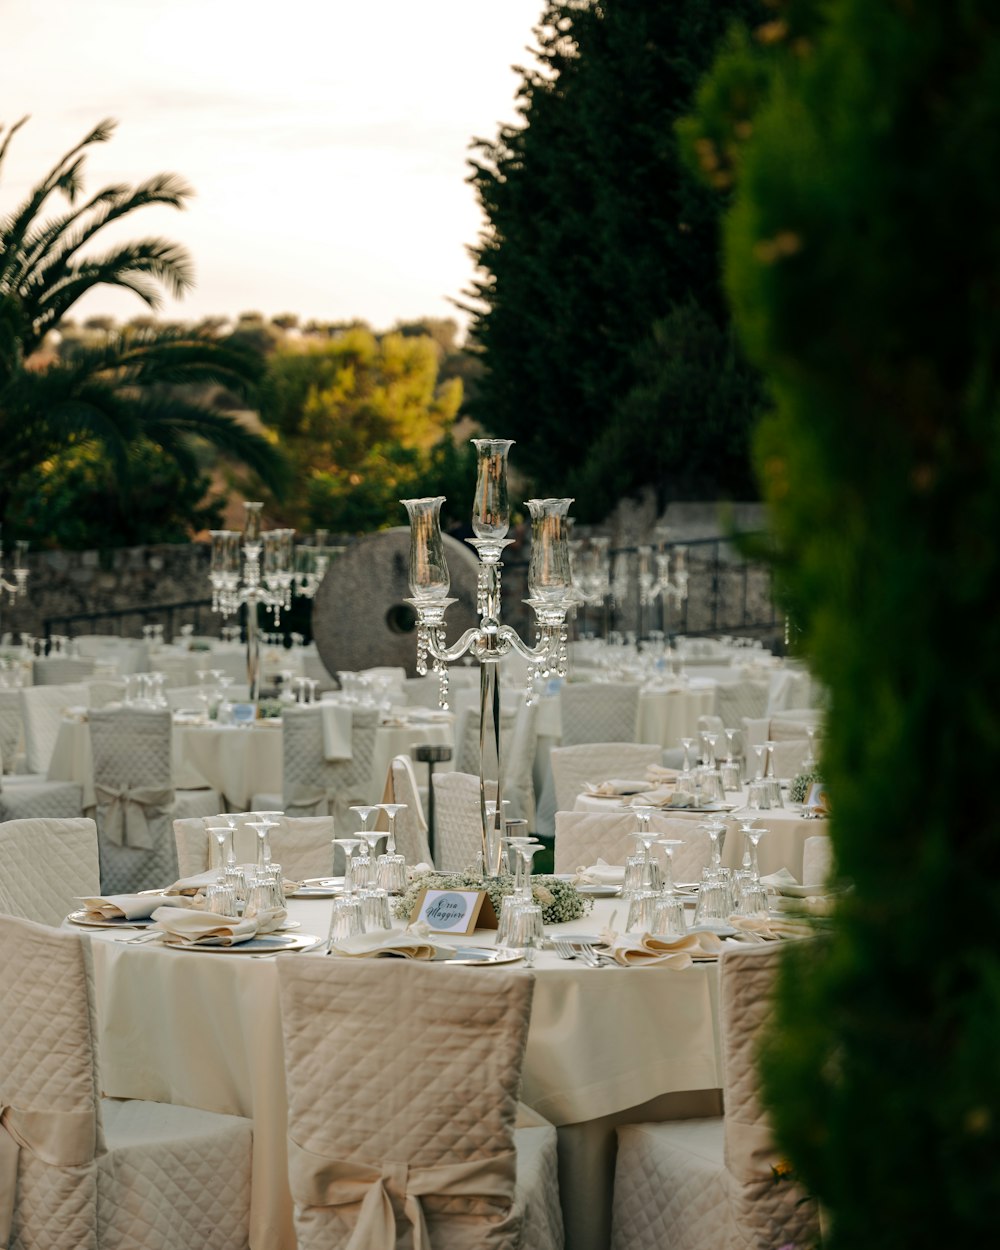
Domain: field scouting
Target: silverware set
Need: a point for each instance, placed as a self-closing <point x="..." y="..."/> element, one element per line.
<point x="582" y="951"/>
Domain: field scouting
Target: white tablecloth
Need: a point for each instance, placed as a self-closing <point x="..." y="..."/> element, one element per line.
<point x="781" y="846"/>
<point x="203" y="1029"/>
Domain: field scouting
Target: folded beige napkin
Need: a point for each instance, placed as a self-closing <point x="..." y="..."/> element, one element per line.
<point x="815" y="905"/>
<point x="600" y="873"/>
<point x="663" y="796"/>
<point x="617" y="786"/>
<point x="199" y="928"/>
<point x="271" y="920"/>
<point x="776" y="880"/>
<point x="385" y="942"/>
<point x="773" y="929"/>
<point x="130" y="906"/>
<point x="639" y="949"/>
<point x="194" y="885"/>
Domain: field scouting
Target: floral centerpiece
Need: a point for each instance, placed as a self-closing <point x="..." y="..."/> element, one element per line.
<point x="800" y="786"/>
<point x="560" y="900"/>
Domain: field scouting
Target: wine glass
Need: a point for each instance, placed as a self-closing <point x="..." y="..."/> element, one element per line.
<point x="709" y="738"/>
<point x="350" y="845"/>
<point x="224" y="854"/>
<point x="263" y="826"/>
<point x="689" y="745"/>
<point x="364" y="810"/>
<point x="668" y="845"/>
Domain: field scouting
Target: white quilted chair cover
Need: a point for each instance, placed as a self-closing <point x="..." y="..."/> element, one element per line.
<point x="184" y="697"/>
<point x="46" y="866"/>
<point x="458" y="824"/>
<point x="42" y="709"/>
<point x="421" y="691"/>
<point x="29" y="797"/>
<point x="716" y="725"/>
<point x="599" y="712"/>
<point x="130" y="655"/>
<point x="422" y="1133"/>
<point x="573" y="767"/>
<point x="315" y="786"/>
<point x="179" y="670"/>
<point x="582" y="838"/>
<point x="467" y="748"/>
<point x="736" y="699"/>
<point x="411" y="824"/>
<point x="791" y="686"/>
<point x="519" y="764"/>
<point x="817" y="860"/>
<point x="135" y="798"/>
<point x="789" y="736"/>
<point x="78" y="1172"/>
<point x="707" y="1184"/>
<point x="60" y="670"/>
<point x="10" y="728"/>
<point x="301" y="845"/>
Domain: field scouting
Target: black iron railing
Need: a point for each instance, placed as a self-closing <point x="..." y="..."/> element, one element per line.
<point x="128" y="622"/>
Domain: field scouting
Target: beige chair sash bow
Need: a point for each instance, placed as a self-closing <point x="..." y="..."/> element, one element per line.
<point x="63" y="1139"/>
<point x="126" y="818"/>
<point x="320" y="1182"/>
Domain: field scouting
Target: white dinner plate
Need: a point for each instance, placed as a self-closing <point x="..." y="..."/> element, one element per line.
<point x="494" y="955"/>
<point x="87" y="921"/>
<point x="263" y="943"/>
<point x="599" y="891"/>
<point x="800" y="891"/>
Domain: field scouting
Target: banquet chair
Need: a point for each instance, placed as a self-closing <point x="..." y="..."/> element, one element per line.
<point x="584" y="837"/>
<point x="89" y="1173"/>
<point x="426" y="1131"/>
<point x="105" y="690"/>
<point x="788" y="733"/>
<point x="42" y="709"/>
<point x="59" y="670"/>
<point x="736" y="699"/>
<point x="573" y="767"/>
<point x="46" y="866"/>
<point x="136" y="799"/>
<point x="519" y="764"/>
<point x="10" y="729"/>
<point x="458" y="819"/>
<point x="316" y="786"/>
<point x="599" y="712"/>
<point x="706" y="1184"/>
<point x="817" y="859"/>
<point x="411" y="824"/>
<point x="301" y="845"/>
<point x="467" y="748"/>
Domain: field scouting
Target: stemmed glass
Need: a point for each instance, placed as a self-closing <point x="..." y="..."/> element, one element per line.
<point x="668" y="911"/>
<point x="391" y="810"/>
<point x="758" y="751"/>
<point x="689" y="745"/>
<point x="642" y="872"/>
<point x="732" y="773"/>
<point x="751" y="896"/>
<point x="709" y="738"/>
<point x="350" y="845"/>
<point x="263" y="826"/>
<point x="517" y="911"/>
<point x="810" y="760"/>
<point x="224" y="854"/>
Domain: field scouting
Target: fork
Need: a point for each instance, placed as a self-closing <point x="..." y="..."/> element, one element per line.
<point x="589" y="956"/>
<point x="563" y="949"/>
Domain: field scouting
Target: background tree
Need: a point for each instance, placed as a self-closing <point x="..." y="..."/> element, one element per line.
<point x="863" y="261"/>
<point x="599" y="310"/>
<point x="117" y="394"/>
<point x="359" y="417"/>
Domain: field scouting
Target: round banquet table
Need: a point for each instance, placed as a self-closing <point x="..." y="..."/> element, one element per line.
<point x="781" y="847"/>
<point x="203" y="1029"/>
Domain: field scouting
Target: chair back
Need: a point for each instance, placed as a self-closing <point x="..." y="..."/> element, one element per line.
<point x="185" y="697"/>
<point x="316" y="786"/>
<point x="49" y="1087"/>
<point x="46" y="866"/>
<point x="817" y="859"/>
<point x="458" y="826"/>
<point x="10" y="728"/>
<point x="467" y="748"/>
<point x="769" y="1214"/>
<point x="58" y="670"/>
<point x="599" y="712"/>
<point x="427" y="1120"/>
<point x="573" y="767"/>
<point x="736" y="699"/>
<point x="134" y="791"/>
<point x="42" y="709"/>
<point x="519" y="764"/>
<point x="411" y="824"/>
<point x="582" y="838"/>
<point x="105" y="690"/>
<point x="300" y="844"/>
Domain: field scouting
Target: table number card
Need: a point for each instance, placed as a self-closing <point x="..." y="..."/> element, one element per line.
<point x="454" y="911"/>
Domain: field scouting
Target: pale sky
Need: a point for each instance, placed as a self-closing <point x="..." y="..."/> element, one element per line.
<point x="326" y="141"/>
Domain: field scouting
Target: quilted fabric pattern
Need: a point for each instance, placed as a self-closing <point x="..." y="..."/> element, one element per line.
<point x="301" y="845"/>
<point x="584" y="837"/>
<point x="573" y="766"/>
<point x="458" y="819"/>
<point x="314" y="786"/>
<point x="174" y="1177"/>
<point x="734" y="700"/>
<point x="467" y="751"/>
<point x="131" y="748"/>
<point x="436" y="1086"/>
<point x="156" y="1176"/>
<point x="599" y="712"/>
<point x="105" y="690"/>
<point x="519" y="764"/>
<point x="60" y="670"/>
<point x="765" y="1214"/>
<point x="10" y="728"/>
<point x="671" y="1188"/>
<point x="41" y="712"/>
<point x="536" y="1192"/>
<point x="24" y="798"/>
<point x="45" y="866"/>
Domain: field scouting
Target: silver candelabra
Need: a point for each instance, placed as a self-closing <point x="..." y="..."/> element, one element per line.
<point x="551" y="596"/>
<point x="19" y="586"/>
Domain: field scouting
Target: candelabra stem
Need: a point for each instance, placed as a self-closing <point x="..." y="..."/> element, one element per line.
<point x="253" y="651"/>
<point x="489" y="702"/>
